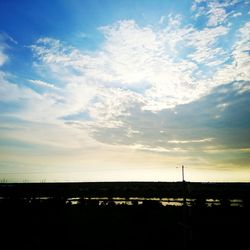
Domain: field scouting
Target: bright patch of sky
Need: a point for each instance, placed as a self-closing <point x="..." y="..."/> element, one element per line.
<point x="124" y="90"/>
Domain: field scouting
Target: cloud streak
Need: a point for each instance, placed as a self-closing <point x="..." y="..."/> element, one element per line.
<point x="42" y="84"/>
<point x="191" y="141"/>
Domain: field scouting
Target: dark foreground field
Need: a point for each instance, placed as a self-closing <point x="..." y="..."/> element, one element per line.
<point x="30" y="221"/>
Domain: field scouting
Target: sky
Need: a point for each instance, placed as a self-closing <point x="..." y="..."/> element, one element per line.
<point x="105" y="90"/>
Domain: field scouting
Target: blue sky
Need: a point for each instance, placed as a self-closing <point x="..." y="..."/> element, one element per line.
<point x="124" y="90"/>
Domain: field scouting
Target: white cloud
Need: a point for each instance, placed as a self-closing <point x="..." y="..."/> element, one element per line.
<point x="52" y="135"/>
<point x="135" y="58"/>
<point x="110" y="104"/>
<point x="42" y="84"/>
<point x="155" y="149"/>
<point x="191" y="141"/>
<point x="3" y="55"/>
<point x="216" y="16"/>
<point x="162" y="19"/>
<point x="223" y="106"/>
<point x="135" y="67"/>
<point x="4" y="39"/>
<point x="132" y="58"/>
<point x="204" y="43"/>
<point x="242" y="87"/>
<point x="41" y="114"/>
<point x="193" y="7"/>
<point x="216" y="12"/>
<point x="239" y="67"/>
<point x="237" y="14"/>
<point x="10" y="92"/>
<point x="174" y="20"/>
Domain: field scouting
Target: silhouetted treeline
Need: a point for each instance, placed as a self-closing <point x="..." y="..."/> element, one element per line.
<point x="60" y="221"/>
<point x="126" y="189"/>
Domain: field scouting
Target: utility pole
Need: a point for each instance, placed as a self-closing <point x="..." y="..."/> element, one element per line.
<point x="182" y="168"/>
<point x="186" y="227"/>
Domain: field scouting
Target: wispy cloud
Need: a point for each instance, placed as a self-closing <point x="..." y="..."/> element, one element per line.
<point x="239" y="67"/>
<point x="216" y="15"/>
<point x="3" y="56"/>
<point x="4" y="40"/>
<point x="156" y="149"/>
<point x="216" y="12"/>
<point x="191" y="141"/>
<point x="237" y="14"/>
<point x="162" y="19"/>
<point x="42" y="84"/>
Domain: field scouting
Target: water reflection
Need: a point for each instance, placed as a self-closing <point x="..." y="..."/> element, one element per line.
<point x="133" y="201"/>
<point x="136" y="201"/>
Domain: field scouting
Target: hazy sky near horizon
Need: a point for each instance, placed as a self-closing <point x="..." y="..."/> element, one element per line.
<point x="124" y="90"/>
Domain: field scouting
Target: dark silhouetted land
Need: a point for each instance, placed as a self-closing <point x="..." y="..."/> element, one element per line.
<point x="125" y="215"/>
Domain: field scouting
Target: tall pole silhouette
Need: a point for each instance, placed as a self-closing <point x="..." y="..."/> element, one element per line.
<point x="182" y="168"/>
<point x="186" y="228"/>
